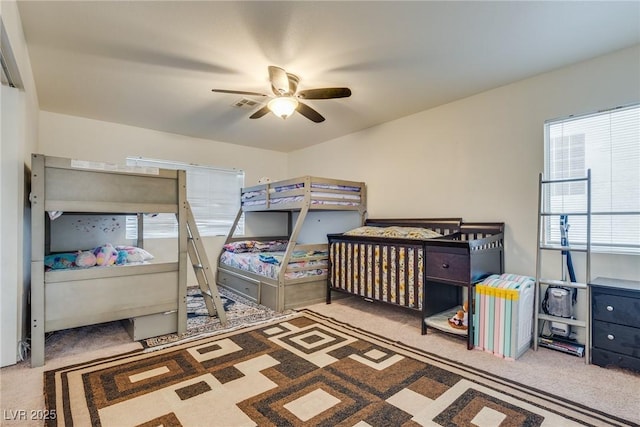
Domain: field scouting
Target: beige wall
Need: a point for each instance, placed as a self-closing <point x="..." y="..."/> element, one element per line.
<point x="19" y="133"/>
<point x="79" y="138"/>
<point x="479" y="158"/>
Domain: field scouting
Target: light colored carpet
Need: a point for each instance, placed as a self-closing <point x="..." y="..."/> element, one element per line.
<point x="608" y="390"/>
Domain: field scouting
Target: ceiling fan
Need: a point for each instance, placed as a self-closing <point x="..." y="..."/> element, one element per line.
<point x="287" y="99"/>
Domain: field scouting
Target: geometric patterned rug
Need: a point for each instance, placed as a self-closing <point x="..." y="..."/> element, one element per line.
<point x="239" y="310"/>
<point x="308" y="370"/>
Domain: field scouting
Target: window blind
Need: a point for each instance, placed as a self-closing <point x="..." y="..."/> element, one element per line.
<point x="607" y="143"/>
<point x="213" y="193"/>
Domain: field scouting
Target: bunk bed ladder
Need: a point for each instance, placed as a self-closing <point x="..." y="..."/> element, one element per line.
<point x="202" y="269"/>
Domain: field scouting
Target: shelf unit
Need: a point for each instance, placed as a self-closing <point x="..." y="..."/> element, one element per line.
<point x="543" y="283"/>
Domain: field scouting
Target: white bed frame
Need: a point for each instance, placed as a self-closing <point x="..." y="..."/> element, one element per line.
<point x="153" y="295"/>
<point x="282" y="294"/>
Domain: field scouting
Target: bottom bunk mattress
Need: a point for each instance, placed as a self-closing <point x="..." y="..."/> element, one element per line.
<point x="254" y="268"/>
<point x="105" y="294"/>
<point x="268" y="264"/>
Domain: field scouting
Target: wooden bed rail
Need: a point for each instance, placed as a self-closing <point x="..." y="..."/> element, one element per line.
<point x="482" y="229"/>
<point x="480" y="235"/>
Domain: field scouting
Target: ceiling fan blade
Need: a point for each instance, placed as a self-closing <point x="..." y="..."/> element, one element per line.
<point x="279" y="80"/>
<point x="325" y="93"/>
<point x="309" y="113"/>
<point x="239" y="92"/>
<point x="261" y="112"/>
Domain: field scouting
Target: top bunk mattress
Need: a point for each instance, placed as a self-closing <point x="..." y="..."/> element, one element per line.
<point x="69" y="185"/>
<point x="293" y="194"/>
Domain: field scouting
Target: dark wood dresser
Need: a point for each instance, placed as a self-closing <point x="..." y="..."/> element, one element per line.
<point x="615" y="323"/>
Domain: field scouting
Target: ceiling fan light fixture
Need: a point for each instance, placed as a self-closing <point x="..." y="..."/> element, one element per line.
<point x="283" y="106"/>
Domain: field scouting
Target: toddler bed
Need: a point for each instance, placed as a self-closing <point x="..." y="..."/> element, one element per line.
<point x="419" y="264"/>
<point x="279" y="271"/>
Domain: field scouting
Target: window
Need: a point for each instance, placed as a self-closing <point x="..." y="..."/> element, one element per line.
<point x="607" y="143"/>
<point x="214" y="196"/>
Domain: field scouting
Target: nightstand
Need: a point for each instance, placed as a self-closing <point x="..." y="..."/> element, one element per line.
<point x="615" y="323"/>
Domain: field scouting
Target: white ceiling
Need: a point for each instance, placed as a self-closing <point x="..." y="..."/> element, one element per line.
<point x="152" y="64"/>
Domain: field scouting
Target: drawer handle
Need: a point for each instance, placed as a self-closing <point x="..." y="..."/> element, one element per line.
<point x="609" y="308"/>
<point x="445" y="265"/>
<point x="610" y="337"/>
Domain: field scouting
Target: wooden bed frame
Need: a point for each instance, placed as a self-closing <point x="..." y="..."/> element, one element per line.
<point x="152" y="295"/>
<point x="428" y="276"/>
<point x="284" y="293"/>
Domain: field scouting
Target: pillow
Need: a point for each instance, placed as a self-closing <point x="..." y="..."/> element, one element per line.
<point x="271" y="246"/>
<point x="135" y="254"/>
<point x="85" y="259"/>
<point x="60" y="261"/>
<point x="256" y="246"/>
<point x="240" y="246"/>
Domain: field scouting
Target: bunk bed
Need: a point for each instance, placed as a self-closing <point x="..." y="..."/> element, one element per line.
<point x="150" y="294"/>
<point x="279" y="271"/>
<point x="419" y="264"/>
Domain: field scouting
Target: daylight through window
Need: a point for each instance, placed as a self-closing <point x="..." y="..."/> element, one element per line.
<point x="607" y="143"/>
<point x="214" y="196"/>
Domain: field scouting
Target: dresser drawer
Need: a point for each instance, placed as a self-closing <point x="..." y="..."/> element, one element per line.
<point x="448" y="267"/>
<point x="617" y="338"/>
<point x="246" y="288"/>
<point x="616" y="309"/>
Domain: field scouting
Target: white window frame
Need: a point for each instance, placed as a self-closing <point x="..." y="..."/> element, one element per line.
<point x="213" y="193"/>
<point x="608" y="143"/>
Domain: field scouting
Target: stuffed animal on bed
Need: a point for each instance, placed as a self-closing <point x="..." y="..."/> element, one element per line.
<point x="85" y="259"/>
<point x="105" y="254"/>
<point x="460" y="320"/>
<point x="122" y="258"/>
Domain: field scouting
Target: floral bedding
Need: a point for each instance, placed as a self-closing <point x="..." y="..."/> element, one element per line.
<point x="256" y="246"/>
<point x="395" y="232"/>
<point x="268" y="263"/>
<point x="102" y="256"/>
<point x="342" y="200"/>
